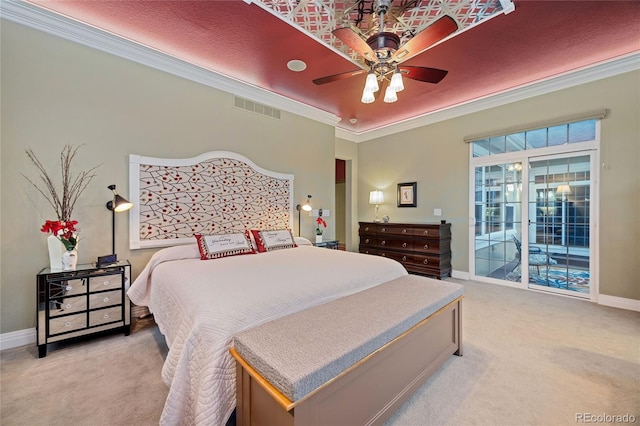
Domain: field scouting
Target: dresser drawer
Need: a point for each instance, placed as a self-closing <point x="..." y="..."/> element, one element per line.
<point x="67" y="323"/>
<point x="434" y="261"/>
<point x="395" y="243"/>
<point x="395" y="230"/>
<point x="368" y="240"/>
<point x="108" y="298"/>
<point x="105" y="282"/>
<point x="367" y="250"/>
<point x="432" y="232"/>
<point x="104" y="316"/>
<point x="366" y="228"/>
<point x="67" y="305"/>
<point x="424" y="245"/>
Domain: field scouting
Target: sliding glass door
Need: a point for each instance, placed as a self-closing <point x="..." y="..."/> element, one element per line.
<point x="532" y="210"/>
<point x="560" y="225"/>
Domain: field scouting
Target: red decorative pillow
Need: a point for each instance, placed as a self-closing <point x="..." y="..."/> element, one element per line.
<point x="223" y="245"/>
<point x="273" y="239"/>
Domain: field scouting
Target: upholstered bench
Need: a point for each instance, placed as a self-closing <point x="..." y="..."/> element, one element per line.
<point x="351" y="361"/>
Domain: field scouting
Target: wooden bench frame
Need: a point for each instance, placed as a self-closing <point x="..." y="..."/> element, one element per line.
<point x="366" y="393"/>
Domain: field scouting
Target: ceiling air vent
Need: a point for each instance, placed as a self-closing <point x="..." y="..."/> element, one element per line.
<point x="256" y="107"/>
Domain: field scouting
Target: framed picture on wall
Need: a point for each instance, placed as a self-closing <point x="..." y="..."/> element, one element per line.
<point x="407" y="194"/>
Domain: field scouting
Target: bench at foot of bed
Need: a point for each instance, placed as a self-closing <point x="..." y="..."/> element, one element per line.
<point x="351" y="361"/>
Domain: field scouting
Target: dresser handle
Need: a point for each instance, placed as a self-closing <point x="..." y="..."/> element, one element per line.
<point x="425" y="261"/>
<point x="383" y="243"/>
<point x="383" y="230"/>
<point x="366" y="240"/>
<point x="404" y="258"/>
<point x="106" y="299"/>
<point x="426" y="246"/>
<point x="404" y="231"/>
<point x="404" y="245"/>
<point x="426" y="232"/>
<point x="366" y="229"/>
<point x="384" y="254"/>
<point x="105" y="316"/>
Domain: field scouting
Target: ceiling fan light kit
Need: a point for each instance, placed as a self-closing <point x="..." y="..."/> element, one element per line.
<point x="383" y="53"/>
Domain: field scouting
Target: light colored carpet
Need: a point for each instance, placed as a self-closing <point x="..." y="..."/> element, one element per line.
<point x="529" y="359"/>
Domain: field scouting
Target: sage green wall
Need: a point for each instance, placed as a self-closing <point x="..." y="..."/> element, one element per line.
<point x="436" y="157"/>
<point x="55" y="92"/>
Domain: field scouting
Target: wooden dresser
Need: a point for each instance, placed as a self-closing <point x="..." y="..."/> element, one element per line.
<point x="423" y="248"/>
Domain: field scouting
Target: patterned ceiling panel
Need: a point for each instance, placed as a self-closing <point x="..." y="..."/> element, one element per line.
<point x="406" y="18"/>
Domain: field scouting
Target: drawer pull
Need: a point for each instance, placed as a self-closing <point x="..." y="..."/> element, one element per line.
<point x="383" y="230"/>
<point x="106" y="299"/>
<point x="404" y="231"/>
<point x="404" y="245"/>
<point x="105" y="283"/>
<point x="366" y="228"/>
<point x="383" y="243"/>
<point x="366" y="241"/>
<point x="105" y="316"/>
<point x="425" y="261"/>
<point x="426" y="246"/>
<point x="404" y="258"/>
<point x="384" y="254"/>
<point x="426" y="232"/>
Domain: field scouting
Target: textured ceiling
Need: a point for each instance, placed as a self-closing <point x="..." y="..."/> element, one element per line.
<point x="537" y="41"/>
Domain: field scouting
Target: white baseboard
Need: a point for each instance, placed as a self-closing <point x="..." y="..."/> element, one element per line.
<point x="619" y="302"/>
<point x="461" y="275"/>
<point x="18" y="338"/>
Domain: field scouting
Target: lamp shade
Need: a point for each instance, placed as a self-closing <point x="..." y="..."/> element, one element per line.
<point x="376" y="197"/>
<point x="371" y="84"/>
<point x="120" y="204"/>
<point x="367" y="96"/>
<point x="563" y="189"/>
<point x="390" y="95"/>
<point x="396" y="82"/>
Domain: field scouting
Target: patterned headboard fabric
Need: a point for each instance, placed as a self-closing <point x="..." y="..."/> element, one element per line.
<point x="212" y="193"/>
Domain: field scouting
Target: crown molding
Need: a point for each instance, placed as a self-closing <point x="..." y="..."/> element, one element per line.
<point x="61" y="26"/>
<point x="566" y="80"/>
<point x="58" y="25"/>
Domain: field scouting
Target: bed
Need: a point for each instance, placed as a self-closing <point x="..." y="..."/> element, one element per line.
<point x="200" y="304"/>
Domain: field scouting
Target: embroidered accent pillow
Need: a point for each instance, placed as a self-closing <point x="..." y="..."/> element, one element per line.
<point x="273" y="239"/>
<point x="223" y="245"/>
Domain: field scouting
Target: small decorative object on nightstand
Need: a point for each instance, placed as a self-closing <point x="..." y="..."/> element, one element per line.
<point x="87" y="300"/>
<point x="330" y="244"/>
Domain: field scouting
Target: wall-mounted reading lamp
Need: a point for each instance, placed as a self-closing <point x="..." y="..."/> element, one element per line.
<point x="117" y="205"/>
<point x="306" y="207"/>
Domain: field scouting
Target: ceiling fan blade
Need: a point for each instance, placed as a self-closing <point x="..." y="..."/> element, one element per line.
<point x="335" y="77"/>
<point x="429" y="75"/>
<point x="355" y="42"/>
<point x="425" y="38"/>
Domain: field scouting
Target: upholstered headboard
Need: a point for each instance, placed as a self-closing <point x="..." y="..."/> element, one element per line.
<point x="212" y="193"/>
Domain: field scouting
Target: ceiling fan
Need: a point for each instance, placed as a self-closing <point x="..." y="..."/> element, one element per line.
<point x="383" y="54"/>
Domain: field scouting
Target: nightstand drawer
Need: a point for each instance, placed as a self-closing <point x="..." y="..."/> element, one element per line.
<point x="104" y="316"/>
<point x="67" y="288"/>
<point x="108" y="298"/>
<point x="105" y="282"/>
<point x="67" y="305"/>
<point x="67" y="323"/>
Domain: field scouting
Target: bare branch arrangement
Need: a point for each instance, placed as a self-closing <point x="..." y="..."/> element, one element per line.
<point x="72" y="187"/>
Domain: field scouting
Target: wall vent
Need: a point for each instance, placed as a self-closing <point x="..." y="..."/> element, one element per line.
<point x="256" y="107"/>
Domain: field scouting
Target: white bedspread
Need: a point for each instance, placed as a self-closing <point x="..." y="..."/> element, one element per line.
<point x="200" y="304"/>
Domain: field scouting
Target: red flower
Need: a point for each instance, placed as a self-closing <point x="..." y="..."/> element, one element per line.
<point x="320" y="221"/>
<point x="64" y="231"/>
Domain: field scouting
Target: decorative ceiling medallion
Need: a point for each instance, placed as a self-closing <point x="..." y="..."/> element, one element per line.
<point x="405" y="18"/>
